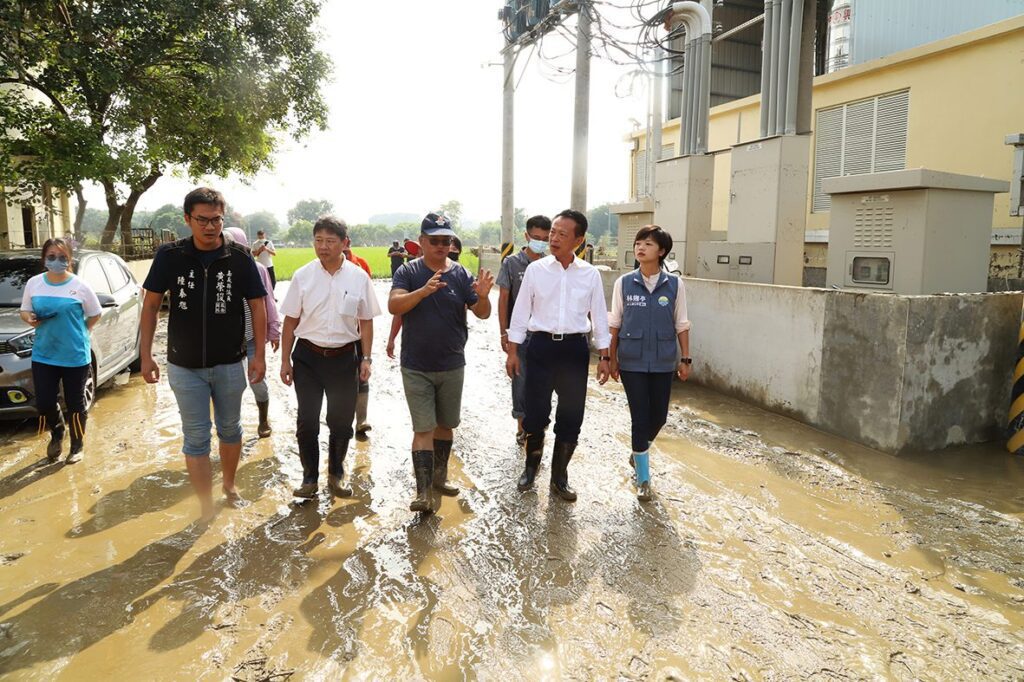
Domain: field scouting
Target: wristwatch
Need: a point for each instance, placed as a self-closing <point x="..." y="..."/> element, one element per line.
<point x="368" y="359"/>
<point x="606" y="357"/>
<point x="685" y="361"/>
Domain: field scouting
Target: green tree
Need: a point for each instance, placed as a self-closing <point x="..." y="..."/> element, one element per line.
<point x="301" y="233"/>
<point x="309" y="209"/>
<point x="602" y="222"/>
<point x="453" y="209"/>
<point x="519" y="219"/>
<point x="120" y="92"/>
<point x="262" y="220"/>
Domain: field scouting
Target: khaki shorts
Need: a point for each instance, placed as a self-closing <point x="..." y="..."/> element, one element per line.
<point x="434" y="398"/>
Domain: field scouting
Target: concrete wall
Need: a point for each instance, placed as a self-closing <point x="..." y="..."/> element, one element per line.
<point x="896" y="373"/>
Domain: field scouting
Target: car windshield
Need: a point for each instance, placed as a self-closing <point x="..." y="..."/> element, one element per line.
<point x="14" y="273"/>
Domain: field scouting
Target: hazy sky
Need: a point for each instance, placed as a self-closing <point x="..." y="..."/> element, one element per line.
<point x="415" y="120"/>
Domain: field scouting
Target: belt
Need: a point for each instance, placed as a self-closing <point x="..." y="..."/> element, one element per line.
<point x="329" y="352"/>
<point x="561" y="337"/>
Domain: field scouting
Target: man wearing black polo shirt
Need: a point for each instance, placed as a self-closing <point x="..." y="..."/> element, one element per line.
<point x="210" y="278"/>
<point x="560" y="297"/>
<point x="431" y="294"/>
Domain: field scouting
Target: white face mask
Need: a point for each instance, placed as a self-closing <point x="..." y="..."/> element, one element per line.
<point x="538" y="246"/>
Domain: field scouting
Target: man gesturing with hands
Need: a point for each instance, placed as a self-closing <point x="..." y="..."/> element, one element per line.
<point x="432" y="294"/>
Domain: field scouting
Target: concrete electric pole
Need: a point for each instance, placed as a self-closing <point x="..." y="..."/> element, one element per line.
<point x="508" y="152"/>
<point x="581" y="117"/>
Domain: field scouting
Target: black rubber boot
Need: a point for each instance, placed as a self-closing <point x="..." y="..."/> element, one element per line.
<point x="442" y="451"/>
<point x="263" y="430"/>
<point x="53" y="421"/>
<point x="534" y="453"/>
<point x="560" y="470"/>
<point x="77" y="421"/>
<point x="337" y="448"/>
<point x="423" y="469"/>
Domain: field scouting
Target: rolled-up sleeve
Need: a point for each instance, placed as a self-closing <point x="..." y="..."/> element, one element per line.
<point x="599" y="313"/>
<point x="615" y="316"/>
<point x="517" y="327"/>
<point x="682" y="320"/>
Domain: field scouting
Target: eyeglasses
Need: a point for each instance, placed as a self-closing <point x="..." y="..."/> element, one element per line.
<point x="440" y="241"/>
<point x="216" y="221"/>
<point x="52" y="259"/>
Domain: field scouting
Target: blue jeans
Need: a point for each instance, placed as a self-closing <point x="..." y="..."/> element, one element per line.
<point x="519" y="382"/>
<point x="194" y="389"/>
<point x="260" y="389"/>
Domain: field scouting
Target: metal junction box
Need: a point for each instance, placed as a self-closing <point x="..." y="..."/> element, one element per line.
<point x="632" y="217"/>
<point x="915" y="231"/>
<point x="682" y="205"/>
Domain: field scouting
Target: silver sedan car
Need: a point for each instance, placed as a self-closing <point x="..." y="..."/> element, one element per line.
<point x="115" y="338"/>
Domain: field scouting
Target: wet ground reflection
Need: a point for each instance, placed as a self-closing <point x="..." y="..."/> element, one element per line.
<point x="772" y="550"/>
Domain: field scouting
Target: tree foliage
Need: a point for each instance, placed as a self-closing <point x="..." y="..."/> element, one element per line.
<point x="310" y="209"/>
<point x="262" y="220"/>
<point x="119" y="92"/>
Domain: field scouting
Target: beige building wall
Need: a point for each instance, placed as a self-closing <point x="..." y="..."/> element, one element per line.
<point x="965" y="97"/>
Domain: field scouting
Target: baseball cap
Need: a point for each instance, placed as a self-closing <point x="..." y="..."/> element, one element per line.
<point x="436" y="226"/>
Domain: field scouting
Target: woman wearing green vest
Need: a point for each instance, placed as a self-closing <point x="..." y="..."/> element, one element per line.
<point x="650" y="344"/>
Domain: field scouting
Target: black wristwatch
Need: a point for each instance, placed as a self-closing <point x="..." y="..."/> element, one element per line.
<point x="685" y="361"/>
<point x="605" y="357"/>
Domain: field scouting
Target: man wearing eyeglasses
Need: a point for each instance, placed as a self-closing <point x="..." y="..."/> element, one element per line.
<point x="210" y="278"/>
<point x="432" y="294"/>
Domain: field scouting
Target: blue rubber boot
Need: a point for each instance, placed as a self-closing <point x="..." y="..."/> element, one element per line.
<point x="642" y="465"/>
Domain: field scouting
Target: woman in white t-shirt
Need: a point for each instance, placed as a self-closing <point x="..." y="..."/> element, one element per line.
<point x="63" y="309"/>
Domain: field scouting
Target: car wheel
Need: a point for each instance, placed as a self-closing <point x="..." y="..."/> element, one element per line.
<point x="136" y="364"/>
<point x="90" y="387"/>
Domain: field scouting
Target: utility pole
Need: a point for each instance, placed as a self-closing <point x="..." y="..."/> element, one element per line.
<point x="508" y="152"/>
<point x="581" y="117"/>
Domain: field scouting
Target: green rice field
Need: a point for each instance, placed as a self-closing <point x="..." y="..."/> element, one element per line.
<point x="288" y="261"/>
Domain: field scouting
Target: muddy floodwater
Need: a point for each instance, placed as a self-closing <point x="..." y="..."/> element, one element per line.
<point x="772" y="551"/>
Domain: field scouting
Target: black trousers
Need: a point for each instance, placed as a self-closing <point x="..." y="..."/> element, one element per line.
<point x="648" y="395"/>
<point x="273" y="281"/>
<point x="47" y="380"/>
<point x="316" y="376"/>
<point x="559" y="367"/>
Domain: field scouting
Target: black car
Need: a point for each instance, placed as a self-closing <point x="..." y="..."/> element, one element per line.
<point x="115" y="338"/>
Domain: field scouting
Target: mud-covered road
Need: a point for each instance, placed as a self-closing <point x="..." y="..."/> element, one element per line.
<point x="772" y="551"/>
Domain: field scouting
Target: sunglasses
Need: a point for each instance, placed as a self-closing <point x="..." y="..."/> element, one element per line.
<point x="440" y="241"/>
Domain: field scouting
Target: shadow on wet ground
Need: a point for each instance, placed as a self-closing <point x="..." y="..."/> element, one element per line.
<point x="771" y="550"/>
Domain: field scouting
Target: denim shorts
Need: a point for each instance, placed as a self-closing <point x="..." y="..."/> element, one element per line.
<point x="194" y="389"/>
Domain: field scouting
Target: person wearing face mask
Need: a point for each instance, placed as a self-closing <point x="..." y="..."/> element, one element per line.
<point x="63" y="309"/>
<point x="510" y="278"/>
<point x="456" y="249"/>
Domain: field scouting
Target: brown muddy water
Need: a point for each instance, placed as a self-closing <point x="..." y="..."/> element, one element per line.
<point x="772" y="551"/>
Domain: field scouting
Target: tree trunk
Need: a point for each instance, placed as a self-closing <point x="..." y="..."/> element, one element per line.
<point x="128" y="210"/>
<point x="79" y="213"/>
<point x="113" y="212"/>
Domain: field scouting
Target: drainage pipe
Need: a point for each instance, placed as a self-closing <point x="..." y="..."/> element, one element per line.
<point x="782" y="77"/>
<point x="795" y="56"/>
<point x="766" y="64"/>
<point x="773" y="71"/>
<point x="704" y="101"/>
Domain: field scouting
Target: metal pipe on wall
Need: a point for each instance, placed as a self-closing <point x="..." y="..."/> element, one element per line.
<point x="684" y="124"/>
<point x="795" y="55"/>
<point x="704" y="101"/>
<point x="656" y="115"/>
<point x="785" y="48"/>
<point x="773" y="71"/>
<point x="694" y="95"/>
<point x="766" y="63"/>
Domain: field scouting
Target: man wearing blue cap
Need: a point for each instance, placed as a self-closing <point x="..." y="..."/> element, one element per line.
<point x="432" y="294"/>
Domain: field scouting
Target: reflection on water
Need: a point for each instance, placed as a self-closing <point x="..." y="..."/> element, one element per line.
<point x="769" y="547"/>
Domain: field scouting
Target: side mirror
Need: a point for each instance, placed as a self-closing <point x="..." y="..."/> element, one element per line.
<point x="106" y="300"/>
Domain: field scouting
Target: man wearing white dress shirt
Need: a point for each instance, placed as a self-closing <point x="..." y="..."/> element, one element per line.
<point x="329" y="310"/>
<point x="560" y="302"/>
